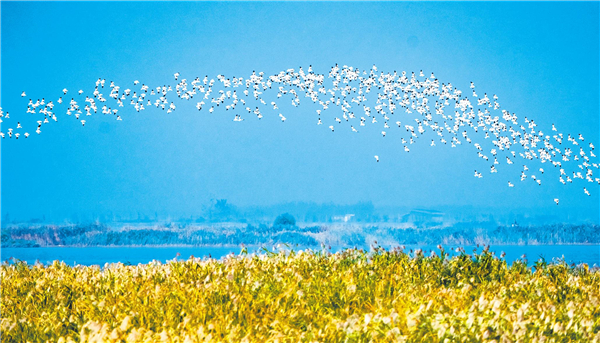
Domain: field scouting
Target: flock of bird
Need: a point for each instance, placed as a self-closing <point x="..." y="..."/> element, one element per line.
<point x="411" y="103"/>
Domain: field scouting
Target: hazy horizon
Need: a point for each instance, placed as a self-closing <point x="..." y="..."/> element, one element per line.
<point x="327" y="213"/>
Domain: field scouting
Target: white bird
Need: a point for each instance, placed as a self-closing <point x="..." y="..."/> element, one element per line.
<point x="510" y="184"/>
<point x="556" y="200"/>
<point x="83" y="122"/>
<point x="586" y="191"/>
<point x="376" y="158"/>
<point x="331" y="127"/>
<point x="407" y="94"/>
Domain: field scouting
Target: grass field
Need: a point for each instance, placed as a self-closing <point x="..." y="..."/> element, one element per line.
<point x="351" y="296"/>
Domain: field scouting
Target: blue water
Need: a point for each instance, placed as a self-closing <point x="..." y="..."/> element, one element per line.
<point x="589" y="254"/>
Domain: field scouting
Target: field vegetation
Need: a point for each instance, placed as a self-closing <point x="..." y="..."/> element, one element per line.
<point x="351" y="296"/>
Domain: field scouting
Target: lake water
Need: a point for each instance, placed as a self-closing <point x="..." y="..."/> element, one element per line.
<point x="589" y="254"/>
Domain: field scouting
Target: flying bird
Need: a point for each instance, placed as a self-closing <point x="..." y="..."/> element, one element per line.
<point x="452" y="117"/>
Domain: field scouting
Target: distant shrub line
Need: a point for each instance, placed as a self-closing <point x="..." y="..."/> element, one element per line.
<point x="285" y="230"/>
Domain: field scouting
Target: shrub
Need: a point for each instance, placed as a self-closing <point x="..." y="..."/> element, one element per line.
<point x="285" y="219"/>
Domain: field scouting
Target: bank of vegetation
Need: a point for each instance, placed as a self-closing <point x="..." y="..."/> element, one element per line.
<point x="351" y="295"/>
<point x="285" y="230"/>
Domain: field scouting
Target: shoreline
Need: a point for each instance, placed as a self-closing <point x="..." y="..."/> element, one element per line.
<point x="290" y="246"/>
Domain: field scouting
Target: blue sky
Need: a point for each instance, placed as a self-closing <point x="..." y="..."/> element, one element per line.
<point x="541" y="59"/>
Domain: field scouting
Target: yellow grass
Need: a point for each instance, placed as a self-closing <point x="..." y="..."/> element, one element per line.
<point x="311" y="296"/>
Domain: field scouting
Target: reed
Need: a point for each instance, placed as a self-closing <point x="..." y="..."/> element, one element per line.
<point x="352" y="296"/>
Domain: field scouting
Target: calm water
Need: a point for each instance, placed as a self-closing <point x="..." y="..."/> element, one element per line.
<point x="589" y="254"/>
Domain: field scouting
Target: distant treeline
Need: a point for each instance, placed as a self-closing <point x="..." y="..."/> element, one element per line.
<point x="99" y="235"/>
<point x="285" y="230"/>
<point x="360" y="213"/>
<point x="471" y="234"/>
